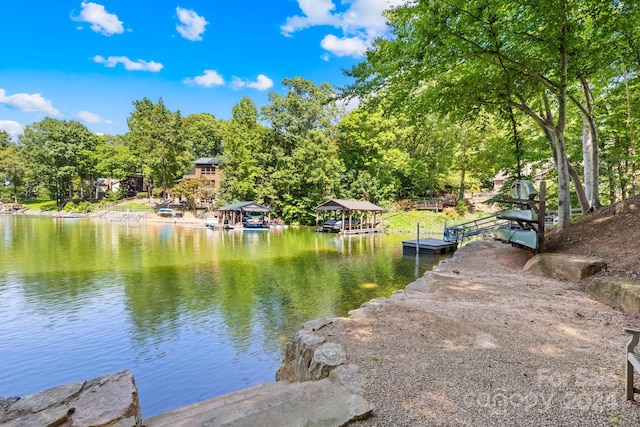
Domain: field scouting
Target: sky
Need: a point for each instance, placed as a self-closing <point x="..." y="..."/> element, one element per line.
<point x="89" y="61"/>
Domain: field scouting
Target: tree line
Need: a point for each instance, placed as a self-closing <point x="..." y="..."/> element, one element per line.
<point x="460" y="91"/>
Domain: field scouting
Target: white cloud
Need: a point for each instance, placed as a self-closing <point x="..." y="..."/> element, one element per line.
<point x="262" y="83"/>
<point x="139" y="65"/>
<point x="347" y="46"/>
<point x="360" y="22"/>
<point x="208" y="79"/>
<point x="89" y="117"/>
<point x="347" y="105"/>
<point x="13" y="128"/>
<point x="28" y="102"/>
<point x="101" y="21"/>
<point x="316" y="12"/>
<point x="192" y="25"/>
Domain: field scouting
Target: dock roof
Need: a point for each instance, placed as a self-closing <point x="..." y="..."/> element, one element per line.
<point x="348" y="205"/>
<point x="206" y="161"/>
<point x="245" y="207"/>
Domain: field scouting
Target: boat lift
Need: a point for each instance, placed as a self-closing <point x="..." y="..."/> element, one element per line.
<point x="522" y="227"/>
<point x="486" y="225"/>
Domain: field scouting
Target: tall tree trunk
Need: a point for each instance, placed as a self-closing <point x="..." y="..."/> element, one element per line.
<point x="632" y="136"/>
<point x="590" y="154"/>
<point x="610" y="174"/>
<point x="463" y="162"/>
<point x="564" y="195"/>
<point x="562" y="167"/>
<point x="555" y="137"/>
<point x="575" y="179"/>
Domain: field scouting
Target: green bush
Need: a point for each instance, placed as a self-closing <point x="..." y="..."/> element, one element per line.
<point x="450" y="213"/>
<point x="463" y="208"/>
<point x="112" y="196"/>
<point x="85" y="207"/>
<point x="142" y="195"/>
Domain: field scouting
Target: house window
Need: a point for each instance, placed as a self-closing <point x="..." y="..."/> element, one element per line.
<point x="207" y="169"/>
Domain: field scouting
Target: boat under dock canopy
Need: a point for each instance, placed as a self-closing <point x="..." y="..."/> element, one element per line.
<point x="246" y="215"/>
<point x="349" y="217"/>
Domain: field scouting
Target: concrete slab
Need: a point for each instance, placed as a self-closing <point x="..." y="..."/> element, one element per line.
<point x="317" y="403"/>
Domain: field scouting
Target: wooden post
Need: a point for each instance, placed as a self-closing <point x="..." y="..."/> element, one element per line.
<point x="542" y="210"/>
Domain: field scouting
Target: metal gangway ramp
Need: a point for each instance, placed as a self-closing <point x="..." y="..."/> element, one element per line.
<point x="485" y="225"/>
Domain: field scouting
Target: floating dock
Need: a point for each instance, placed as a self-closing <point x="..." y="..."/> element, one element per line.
<point x="429" y="246"/>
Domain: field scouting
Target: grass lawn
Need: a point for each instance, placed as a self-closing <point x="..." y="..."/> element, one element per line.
<point x="430" y="222"/>
<point x="40" y="205"/>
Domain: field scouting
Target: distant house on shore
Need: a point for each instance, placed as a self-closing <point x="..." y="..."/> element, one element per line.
<point x="209" y="171"/>
<point x="129" y="186"/>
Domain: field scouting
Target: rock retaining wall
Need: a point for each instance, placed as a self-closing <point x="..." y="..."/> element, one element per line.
<point x="617" y="292"/>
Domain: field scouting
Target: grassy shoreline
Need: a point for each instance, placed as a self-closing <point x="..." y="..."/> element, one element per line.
<point x="431" y="222"/>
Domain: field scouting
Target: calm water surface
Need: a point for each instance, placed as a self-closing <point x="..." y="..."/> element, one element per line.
<point x="193" y="313"/>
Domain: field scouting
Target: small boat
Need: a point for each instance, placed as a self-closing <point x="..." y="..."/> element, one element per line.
<point x="526" y="238"/>
<point x="66" y="215"/>
<point x="165" y="212"/>
<point x="213" y="223"/>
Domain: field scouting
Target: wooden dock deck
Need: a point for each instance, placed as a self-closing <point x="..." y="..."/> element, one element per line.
<point x="362" y="231"/>
<point x="428" y="246"/>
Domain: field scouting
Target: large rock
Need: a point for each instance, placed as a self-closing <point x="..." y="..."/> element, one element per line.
<point x="111" y="401"/>
<point x="298" y="355"/>
<point x="617" y="292"/>
<point x="325" y="359"/>
<point x="310" y="403"/>
<point x="564" y="266"/>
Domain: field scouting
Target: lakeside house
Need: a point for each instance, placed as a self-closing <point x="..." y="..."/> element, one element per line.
<point x="130" y="186"/>
<point x="209" y="171"/>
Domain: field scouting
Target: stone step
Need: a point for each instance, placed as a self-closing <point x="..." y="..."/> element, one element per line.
<point x="317" y="403"/>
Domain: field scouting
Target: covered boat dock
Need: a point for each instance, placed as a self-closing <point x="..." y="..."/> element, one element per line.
<point x="244" y="215"/>
<point x="349" y="217"/>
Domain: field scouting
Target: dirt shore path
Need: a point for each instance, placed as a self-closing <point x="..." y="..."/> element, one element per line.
<point x="478" y="342"/>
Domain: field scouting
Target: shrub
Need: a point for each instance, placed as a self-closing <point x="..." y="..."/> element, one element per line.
<point x="112" y="196"/>
<point x="85" y="207"/>
<point x="463" y="208"/>
<point x="142" y="195"/>
<point x="450" y="213"/>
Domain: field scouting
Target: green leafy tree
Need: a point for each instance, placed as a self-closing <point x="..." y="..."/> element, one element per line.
<point x="300" y="153"/>
<point x="115" y="159"/>
<point x="156" y="136"/>
<point x="243" y="155"/>
<point x="461" y="55"/>
<point x="373" y="148"/>
<point x="5" y="139"/>
<point x="57" y="152"/>
<point x="204" y="133"/>
<point x="12" y="166"/>
<point x="189" y="190"/>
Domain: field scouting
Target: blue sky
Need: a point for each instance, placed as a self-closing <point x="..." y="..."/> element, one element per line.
<point x="88" y="61"/>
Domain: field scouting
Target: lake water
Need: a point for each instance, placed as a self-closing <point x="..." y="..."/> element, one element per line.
<point x="193" y="313"/>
